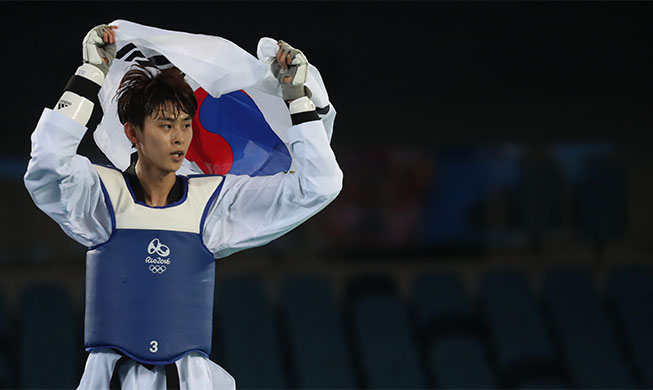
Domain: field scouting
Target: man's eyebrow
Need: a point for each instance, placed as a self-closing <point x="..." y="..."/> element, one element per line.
<point x="170" y="119"/>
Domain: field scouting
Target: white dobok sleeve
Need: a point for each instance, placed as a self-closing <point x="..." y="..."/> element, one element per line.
<point x="64" y="184"/>
<point x="252" y="211"/>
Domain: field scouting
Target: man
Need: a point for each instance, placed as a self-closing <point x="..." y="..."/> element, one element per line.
<point x="153" y="236"/>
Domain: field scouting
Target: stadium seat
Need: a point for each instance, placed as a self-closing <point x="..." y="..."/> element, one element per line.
<point x="383" y="338"/>
<point x="247" y="337"/>
<point x="459" y="362"/>
<point x="517" y="329"/>
<point x="6" y="377"/>
<point x="591" y="351"/>
<point x="449" y="334"/>
<point x="629" y="291"/>
<point x="538" y="205"/>
<point x="4" y="317"/>
<point x="439" y="299"/>
<point x="49" y="343"/>
<point x="6" y="347"/>
<point x="600" y="199"/>
<point x="314" y="328"/>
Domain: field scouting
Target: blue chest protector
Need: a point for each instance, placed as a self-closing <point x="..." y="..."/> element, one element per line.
<point x="149" y="288"/>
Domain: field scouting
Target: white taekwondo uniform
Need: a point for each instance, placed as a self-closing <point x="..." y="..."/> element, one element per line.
<point x="247" y="212"/>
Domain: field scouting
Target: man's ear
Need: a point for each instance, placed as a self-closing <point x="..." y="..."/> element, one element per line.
<point x="131" y="133"/>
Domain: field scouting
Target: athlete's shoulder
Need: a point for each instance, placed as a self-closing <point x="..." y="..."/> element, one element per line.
<point x="106" y="168"/>
<point x="205" y="182"/>
<point x="110" y="176"/>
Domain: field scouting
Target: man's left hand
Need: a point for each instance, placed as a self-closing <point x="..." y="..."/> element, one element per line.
<point x="291" y="69"/>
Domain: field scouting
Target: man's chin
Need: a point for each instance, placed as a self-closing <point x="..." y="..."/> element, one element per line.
<point x="176" y="167"/>
<point x="170" y="168"/>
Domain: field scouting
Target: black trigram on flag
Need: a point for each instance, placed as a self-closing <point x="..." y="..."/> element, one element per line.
<point x="130" y="53"/>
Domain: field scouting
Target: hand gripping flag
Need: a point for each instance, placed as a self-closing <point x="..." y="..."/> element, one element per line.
<point x="241" y="123"/>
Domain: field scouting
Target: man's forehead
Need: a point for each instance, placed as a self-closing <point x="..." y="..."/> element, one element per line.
<point x="169" y="111"/>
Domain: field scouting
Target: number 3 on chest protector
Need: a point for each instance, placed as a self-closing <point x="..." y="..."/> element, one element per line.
<point x="154" y="346"/>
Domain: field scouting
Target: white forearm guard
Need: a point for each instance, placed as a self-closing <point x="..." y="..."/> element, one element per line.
<point x="76" y="100"/>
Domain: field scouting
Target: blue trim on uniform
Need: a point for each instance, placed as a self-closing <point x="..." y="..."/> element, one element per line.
<point x="208" y="205"/>
<point x="108" y="166"/>
<point x="145" y="361"/>
<point x="112" y="213"/>
<point x="193" y="175"/>
<point x="184" y="180"/>
<point x="107" y="199"/>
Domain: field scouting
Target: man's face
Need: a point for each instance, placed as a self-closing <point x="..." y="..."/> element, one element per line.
<point x="164" y="140"/>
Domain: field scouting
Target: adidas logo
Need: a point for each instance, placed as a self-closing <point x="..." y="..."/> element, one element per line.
<point x="63" y="104"/>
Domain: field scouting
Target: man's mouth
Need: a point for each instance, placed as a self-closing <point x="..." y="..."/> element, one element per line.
<point x="177" y="153"/>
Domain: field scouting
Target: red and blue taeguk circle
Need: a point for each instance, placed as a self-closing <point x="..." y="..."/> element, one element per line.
<point x="231" y="135"/>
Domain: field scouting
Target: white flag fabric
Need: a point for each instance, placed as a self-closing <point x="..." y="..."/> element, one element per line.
<point x="241" y="123"/>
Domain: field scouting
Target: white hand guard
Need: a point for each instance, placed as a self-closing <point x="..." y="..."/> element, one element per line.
<point x="292" y="79"/>
<point x="77" y="100"/>
<point x="95" y="50"/>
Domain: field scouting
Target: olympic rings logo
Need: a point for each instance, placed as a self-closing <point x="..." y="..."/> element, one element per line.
<point x="160" y="249"/>
<point x="157" y="269"/>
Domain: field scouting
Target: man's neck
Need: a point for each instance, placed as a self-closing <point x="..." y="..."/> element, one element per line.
<point x="156" y="184"/>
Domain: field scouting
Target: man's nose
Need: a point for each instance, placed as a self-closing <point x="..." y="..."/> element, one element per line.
<point x="178" y="137"/>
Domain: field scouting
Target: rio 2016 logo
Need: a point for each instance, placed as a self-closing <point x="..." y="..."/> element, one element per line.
<point x="158" y="264"/>
<point x="158" y="247"/>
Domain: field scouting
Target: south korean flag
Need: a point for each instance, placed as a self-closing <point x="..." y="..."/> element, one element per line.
<point x="241" y="123"/>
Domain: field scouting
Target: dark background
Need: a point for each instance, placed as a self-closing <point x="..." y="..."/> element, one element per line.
<point x="475" y="138"/>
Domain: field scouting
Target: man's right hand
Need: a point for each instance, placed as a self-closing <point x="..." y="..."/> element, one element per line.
<point x="99" y="47"/>
<point x="98" y="52"/>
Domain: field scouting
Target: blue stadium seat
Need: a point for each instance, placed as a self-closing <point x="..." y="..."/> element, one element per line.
<point x="538" y="206"/>
<point x="319" y="353"/>
<point x="6" y="377"/>
<point x="248" y="337"/>
<point x="630" y="292"/>
<point x="383" y="337"/>
<point x="591" y="351"/>
<point x="6" y="348"/>
<point x="517" y="329"/>
<point x="4" y="316"/>
<point x="600" y="199"/>
<point x="449" y="334"/>
<point x="49" y="342"/>
<point x="438" y="298"/>
<point x="459" y="363"/>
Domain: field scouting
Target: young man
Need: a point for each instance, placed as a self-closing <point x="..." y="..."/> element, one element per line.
<point x="153" y="236"/>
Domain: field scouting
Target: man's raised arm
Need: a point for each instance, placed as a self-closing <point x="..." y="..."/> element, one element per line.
<point x="252" y="211"/>
<point x="63" y="184"/>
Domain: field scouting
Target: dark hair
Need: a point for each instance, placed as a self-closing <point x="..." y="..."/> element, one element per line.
<point x="145" y="91"/>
